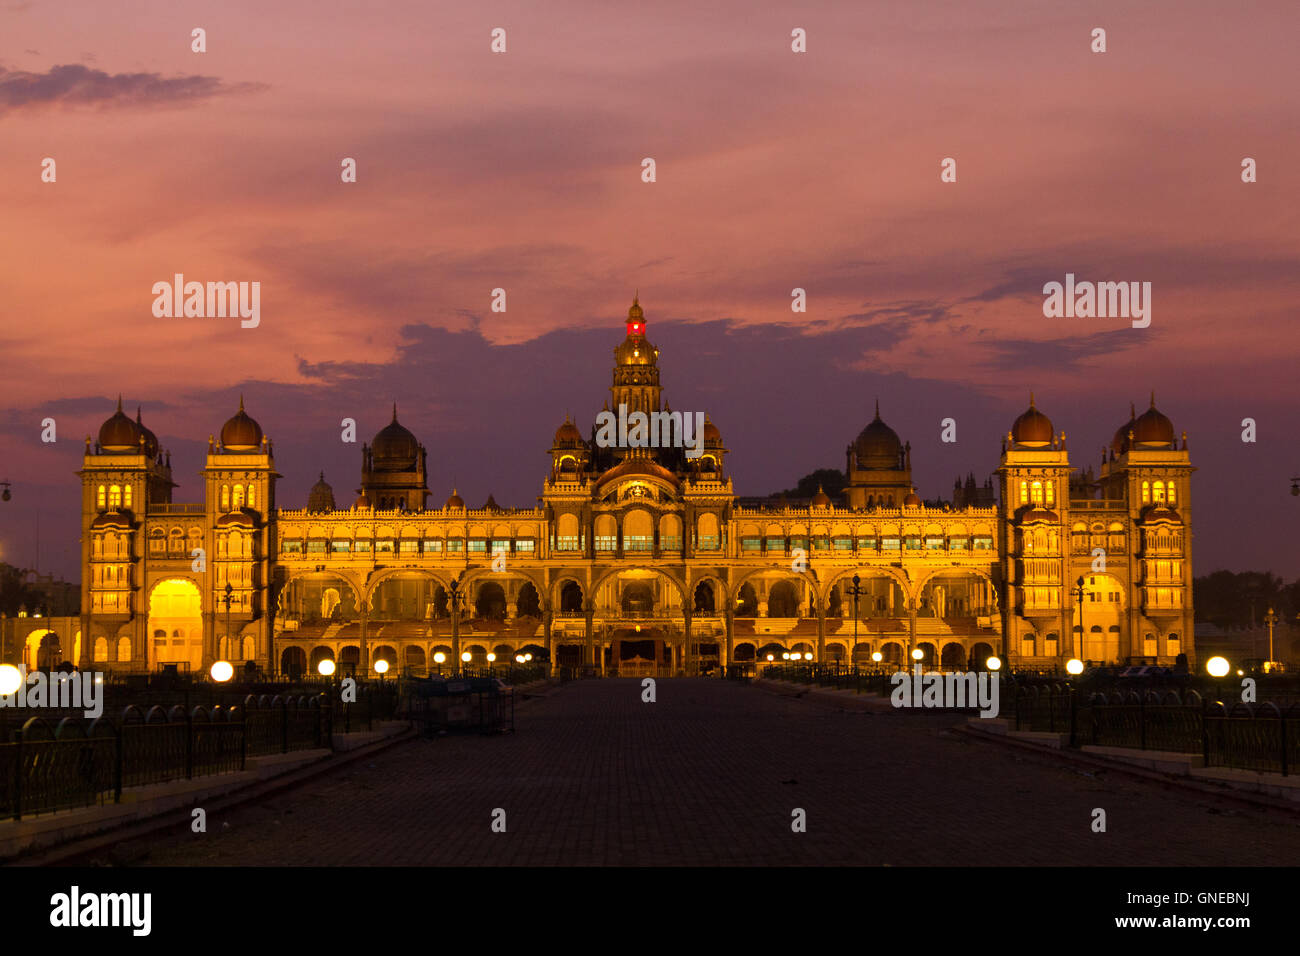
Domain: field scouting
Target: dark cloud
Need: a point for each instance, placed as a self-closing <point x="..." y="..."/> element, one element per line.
<point x="76" y="85"/>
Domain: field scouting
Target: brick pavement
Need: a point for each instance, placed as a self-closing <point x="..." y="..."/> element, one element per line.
<point x="709" y="775"/>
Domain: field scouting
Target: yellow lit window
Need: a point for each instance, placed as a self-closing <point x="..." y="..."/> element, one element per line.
<point x="252" y="496"/>
<point x="1173" y="497"/>
<point x="237" y="499"/>
<point x="1051" y="495"/>
<point x="101" y="497"/>
<point x="1036" y="492"/>
<point x="1024" y="492"/>
<point x="225" y="497"/>
<point x="1146" y="492"/>
<point x="115" y="496"/>
<point x="126" y="496"/>
<point x="1158" y="493"/>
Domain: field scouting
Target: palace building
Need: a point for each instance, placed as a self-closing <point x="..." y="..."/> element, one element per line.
<point x="636" y="560"/>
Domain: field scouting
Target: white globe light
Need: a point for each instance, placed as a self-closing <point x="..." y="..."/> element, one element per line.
<point x="222" y="671"/>
<point x="877" y="657"/>
<point x="11" y="678"/>
<point x="1074" y="666"/>
<point x="466" y="657"/>
<point x="381" y="666"/>
<point x="325" y="667"/>
<point x="1217" y="666"/>
<point x="918" y="654"/>
<point x="993" y="664"/>
<point x="491" y="657"/>
<point x="528" y="657"/>
<point x="519" y="658"/>
<point x="439" y="657"/>
<point x="808" y="656"/>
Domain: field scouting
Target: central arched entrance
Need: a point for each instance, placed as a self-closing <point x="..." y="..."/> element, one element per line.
<point x="176" y="625"/>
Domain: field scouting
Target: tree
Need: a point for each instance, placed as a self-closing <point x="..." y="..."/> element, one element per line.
<point x="15" y="593"/>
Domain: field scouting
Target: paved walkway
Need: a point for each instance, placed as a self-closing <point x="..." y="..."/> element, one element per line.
<point x="709" y="775"/>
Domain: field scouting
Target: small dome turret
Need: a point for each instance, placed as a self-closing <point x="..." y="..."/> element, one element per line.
<point x="241" y="433"/>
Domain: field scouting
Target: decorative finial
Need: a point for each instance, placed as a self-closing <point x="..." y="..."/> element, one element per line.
<point x="241" y="401"/>
<point x="877" y="407"/>
<point x="119" y="401"/>
<point x="1132" y="411"/>
<point x="1031" y="398"/>
<point x="1153" y="398"/>
<point x="137" y="415"/>
<point x="394" y="411"/>
<point x="322" y="476"/>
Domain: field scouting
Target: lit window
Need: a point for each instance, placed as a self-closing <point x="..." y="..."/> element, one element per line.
<point x="237" y="499"/>
<point x="115" y="496"/>
<point x="1158" y="492"/>
<point x="252" y="496"/>
<point x="126" y="496"/>
<point x="1173" y="499"/>
<point x="225" y="497"/>
<point x="1036" y="492"/>
<point x="101" y="498"/>
<point x="1146" y="492"/>
<point x="1051" y="494"/>
<point x="1024" y="492"/>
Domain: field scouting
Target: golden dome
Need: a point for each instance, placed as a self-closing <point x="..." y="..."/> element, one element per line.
<point x="568" y="434"/>
<point x="321" y="497"/>
<point x="394" y="448"/>
<point x="912" y="499"/>
<point x="821" y="499"/>
<point x="241" y="433"/>
<point x="1032" y="429"/>
<point x="119" y="433"/>
<point x="635" y="349"/>
<point x="1152" y="429"/>
<point x="455" y="502"/>
<point x="877" y="446"/>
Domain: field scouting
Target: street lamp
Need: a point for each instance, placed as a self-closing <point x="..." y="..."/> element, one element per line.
<point x="993" y="663"/>
<point x="325" y="668"/>
<point x="381" y="668"/>
<point x="1079" y="593"/>
<point x="229" y="591"/>
<point x="438" y="658"/>
<point x="855" y="590"/>
<point x="918" y="655"/>
<point x="1074" y="667"/>
<point x="1270" y="619"/>
<point x="222" y="671"/>
<point x="464" y="660"/>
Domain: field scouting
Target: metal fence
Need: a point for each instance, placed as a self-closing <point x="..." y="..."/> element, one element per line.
<point x="51" y="766"/>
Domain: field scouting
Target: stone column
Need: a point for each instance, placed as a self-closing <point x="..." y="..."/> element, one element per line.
<point x="363" y="660"/>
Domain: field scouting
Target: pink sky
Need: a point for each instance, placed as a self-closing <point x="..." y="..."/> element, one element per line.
<point x="775" y="170"/>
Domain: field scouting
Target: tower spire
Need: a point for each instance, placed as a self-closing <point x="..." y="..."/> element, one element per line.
<point x="119" y="401"/>
<point x="394" y="411"/>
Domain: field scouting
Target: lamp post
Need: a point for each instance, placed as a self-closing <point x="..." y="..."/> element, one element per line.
<point x="855" y="590"/>
<point x="438" y="658"/>
<point x="1079" y="594"/>
<point x="1270" y="619"/>
<point x="229" y="648"/>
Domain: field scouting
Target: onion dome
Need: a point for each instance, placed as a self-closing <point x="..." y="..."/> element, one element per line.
<point x="635" y="349"/>
<point x="1152" y="429"/>
<point x="150" y="439"/>
<point x="362" y="502"/>
<point x="912" y="500"/>
<point x="321" y="497"/>
<point x="119" y="433"/>
<point x="394" y="448"/>
<point x="568" y="434"/>
<point x="821" y="499"/>
<point x="711" y="434"/>
<point x="877" y="446"/>
<point x="455" y="502"/>
<point x="1119" y="444"/>
<point x="241" y="433"/>
<point x="1032" y="429"/>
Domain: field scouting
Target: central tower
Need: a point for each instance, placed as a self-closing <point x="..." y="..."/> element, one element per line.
<point x="636" y="369"/>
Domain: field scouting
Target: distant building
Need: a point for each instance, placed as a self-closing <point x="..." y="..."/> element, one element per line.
<point x="636" y="560"/>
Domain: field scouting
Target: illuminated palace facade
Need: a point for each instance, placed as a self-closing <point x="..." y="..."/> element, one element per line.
<point x="636" y="560"/>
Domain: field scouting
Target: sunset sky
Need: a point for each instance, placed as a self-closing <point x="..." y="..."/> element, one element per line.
<point x="775" y="170"/>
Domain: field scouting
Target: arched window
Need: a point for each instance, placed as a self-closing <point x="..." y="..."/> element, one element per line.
<point x="1024" y="492"/>
<point x="225" y="497"/>
<point x="1173" y="496"/>
<point x="126" y="496"/>
<point x="1158" y="492"/>
<point x="252" y="496"/>
<point x="101" y="497"/>
<point x="124" y="649"/>
<point x="1051" y="494"/>
<point x="1036" y="492"/>
<point x="237" y="499"/>
<point x="1146" y="492"/>
<point x="101" y="649"/>
<point x="115" y="496"/>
